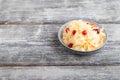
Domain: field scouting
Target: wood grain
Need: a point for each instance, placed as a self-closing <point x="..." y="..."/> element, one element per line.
<point x="30" y="50"/>
<point x="59" y="11"/>
<point x="39" y="45"/>
<point x="61" y="73"/>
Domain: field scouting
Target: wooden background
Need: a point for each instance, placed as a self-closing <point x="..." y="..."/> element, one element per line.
<point x="30" y="50"/>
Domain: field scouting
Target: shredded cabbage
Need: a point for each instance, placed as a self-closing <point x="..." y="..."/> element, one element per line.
<point x="92" y="37"/>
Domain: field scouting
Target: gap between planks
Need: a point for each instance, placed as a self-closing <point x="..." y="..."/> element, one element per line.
<point x="7" y="67"/>
<point x="41" y="23"/>
<point x="56" y="66"/>
<point x="31" y="65"/>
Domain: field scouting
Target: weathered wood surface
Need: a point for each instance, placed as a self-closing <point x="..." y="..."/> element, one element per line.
<point x="61" y="73"/>
<point x="59" y="11"/>
<point x="28" y="37"/>
<point x="39" y="45"/>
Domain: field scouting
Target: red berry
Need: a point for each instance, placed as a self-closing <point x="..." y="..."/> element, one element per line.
<point x="84" y="32"/>
<point x="70" y="45"/>
<point x="97" y="30"/>
<point x="67" y="29"/>
<point x="87" y="23"/>
<point x="74" y="32"/>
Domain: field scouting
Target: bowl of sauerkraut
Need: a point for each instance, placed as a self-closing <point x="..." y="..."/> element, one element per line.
<point x="82" y="36"/>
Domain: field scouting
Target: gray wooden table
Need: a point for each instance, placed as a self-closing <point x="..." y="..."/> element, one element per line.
<point x="30" y="50"/>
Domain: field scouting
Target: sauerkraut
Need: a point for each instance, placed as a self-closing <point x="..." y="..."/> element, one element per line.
<point x="83" y="36"/>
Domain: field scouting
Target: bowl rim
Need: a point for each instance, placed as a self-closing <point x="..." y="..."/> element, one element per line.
<point x="64" y="25"/>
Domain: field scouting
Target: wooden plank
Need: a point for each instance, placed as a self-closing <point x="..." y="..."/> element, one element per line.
<point x="61" y="73"/>
<point x="59" y="11"/>
<point x="39" y="45"/>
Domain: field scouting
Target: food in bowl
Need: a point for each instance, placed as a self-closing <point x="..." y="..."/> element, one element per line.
<point x="83" y="36"/>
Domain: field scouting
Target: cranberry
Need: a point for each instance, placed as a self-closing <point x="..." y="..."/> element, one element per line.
<point x="74" y="32"/>
<point x="70" y="45"/>
<point x="87" y="23"/>
<point x="67" y="29"/>
<point x="97" y="30"/>
<point x="84" y="32"/>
